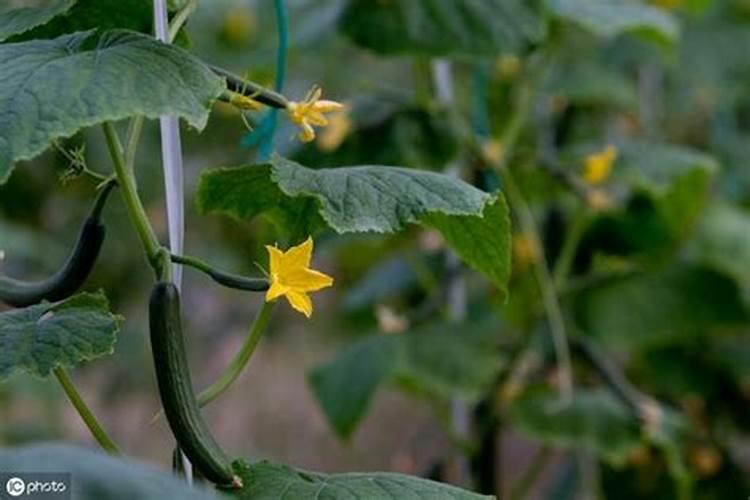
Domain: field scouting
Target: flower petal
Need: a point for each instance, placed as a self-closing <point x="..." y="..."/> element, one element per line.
<point x="328" y="106"/>
<point x="301" y="302"/>
<point x="316" y="118"/>
<point x="275" y="291"/>
<point x="275" y="259"/>
<point x="307" y="134"/>
<point x="307" y="280"/>
<point x="298" y="257"/>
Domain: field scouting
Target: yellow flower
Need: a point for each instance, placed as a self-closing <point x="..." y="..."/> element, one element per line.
<point x="310" y="112"/>
<point x="599" y="165"/>
<point x="291" y="276"/>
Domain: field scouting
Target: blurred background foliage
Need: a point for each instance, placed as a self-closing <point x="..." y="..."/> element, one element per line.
<point x="649" y="261"/>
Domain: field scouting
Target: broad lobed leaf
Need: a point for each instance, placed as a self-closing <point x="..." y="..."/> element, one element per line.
<point x="367" y="199"/>
<point x="40" y="338"/>
<point x="609" y="18"/>
<point x="269" y="481"/>
<point x="442" y="27"/>
<point x="52" y="88"/>
<point x="19" y="20"/>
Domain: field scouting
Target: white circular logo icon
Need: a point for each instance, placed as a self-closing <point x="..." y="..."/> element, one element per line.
<point x="15" y="487"/>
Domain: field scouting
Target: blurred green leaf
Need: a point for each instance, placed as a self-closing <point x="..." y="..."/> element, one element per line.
<point x="97" y="476"/>
<point x="646" y="309"/>
<point x="594" y="420"/>
<point x="101" y="15"/>
<point x="368" y="199"/>
<point x="669" y="189"/>
<point x="447" y="361"/>
<point x="124" y="74"/>
<point x="657" y="165"/>
<point x="591" y="83"/>
<point x="470" y="28"/>
<point x="40" y="338"/>
<point x="345" y="386"/>
<point x="410" y="137"/>
<point x="21" y="19"/>
<point x="607" y="18"/>
<point x="435" y="361"/>
<point x="723" y="241"/>
<point x="382" y="280"/>
<point x="268" y="481"/>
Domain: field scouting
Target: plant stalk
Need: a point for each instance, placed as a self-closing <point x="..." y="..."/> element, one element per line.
<point x="133" y="204"/>
<point x="241" y="359"/>
<point x="86" y="414"/>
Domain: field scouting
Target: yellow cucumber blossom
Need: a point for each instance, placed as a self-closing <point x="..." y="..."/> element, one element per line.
<point x="292" y="277"/>
<point x="598" y="166"/>
<point x="311" y="112"/>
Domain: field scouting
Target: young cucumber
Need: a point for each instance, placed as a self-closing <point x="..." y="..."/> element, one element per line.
<point x="176" y="388"/>
<point x="73" y="273"/>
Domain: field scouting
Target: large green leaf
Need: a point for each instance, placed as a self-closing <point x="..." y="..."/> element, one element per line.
<point x="482" y="242"/>
<point x="40" y="338"/>
<point x="442" y="27"/>
<point x="268" y="481"/>
<point x="432" y="361"/>
<point x="610" y="18"/>
<point x="21" y="19"/>
<point x="97" y="476"/>
<point x="367" y="199"/>
<point x="102" y="15"/>
<point x="447" y="363"/>
<point x="55" y="87"/>
<point x="594" y="420"/>
<point x="661" y="307"/>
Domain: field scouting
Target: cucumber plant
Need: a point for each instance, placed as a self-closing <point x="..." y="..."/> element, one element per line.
<point x="555" y="132"/>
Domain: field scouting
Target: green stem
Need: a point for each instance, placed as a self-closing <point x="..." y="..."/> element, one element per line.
<point x="180" y="18"/>
<point x="241" y="359"/>
<point x="227" y="279"/>
<point x="134" y="137"/>
<point x="529" y="227"/>
<point x="86" y="415"/>
<point x="551" y="303"/>
<point x="570" y="246"/>
<point x="136" y="211"/>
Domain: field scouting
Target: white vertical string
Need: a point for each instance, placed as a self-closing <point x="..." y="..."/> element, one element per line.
<point x="171" y="154"/>
<point x="442" y="73"/>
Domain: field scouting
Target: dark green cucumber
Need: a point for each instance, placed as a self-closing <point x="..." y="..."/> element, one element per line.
<point x="72" y="274"/>
<point x="239" y="282"/>
<point x="176" y="388"/>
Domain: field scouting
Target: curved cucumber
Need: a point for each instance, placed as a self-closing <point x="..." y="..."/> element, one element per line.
<point x="239" y="282"/>
<point x="72" y="274"/>
<point x="176" y="388"/>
